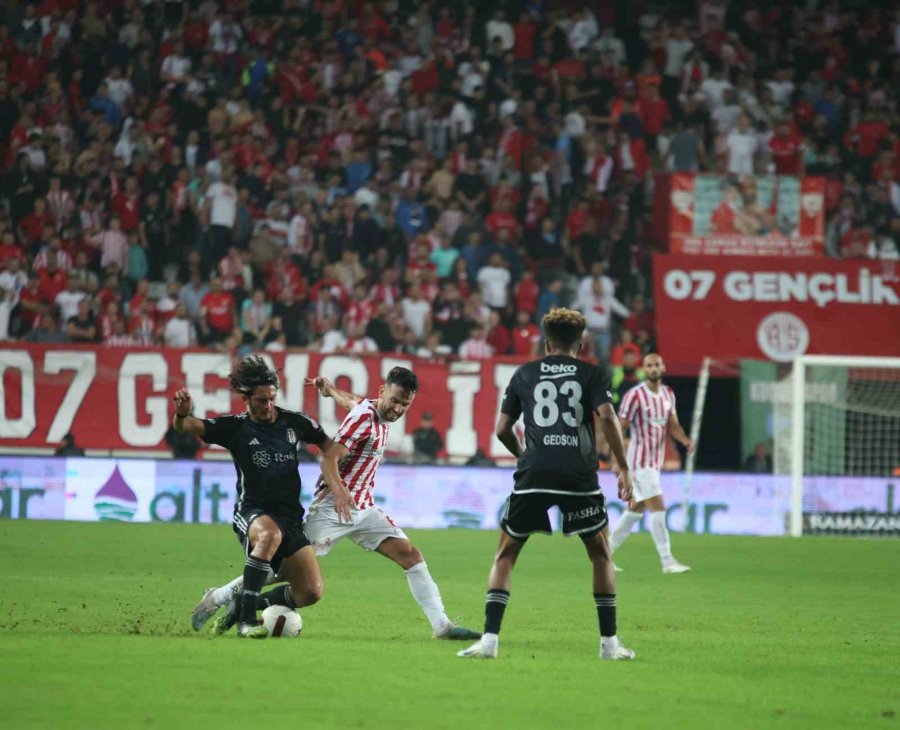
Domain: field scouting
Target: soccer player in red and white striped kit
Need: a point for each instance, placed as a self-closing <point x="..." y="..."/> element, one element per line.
<point x="360" y="443"/>
<point x="649" y="409"/>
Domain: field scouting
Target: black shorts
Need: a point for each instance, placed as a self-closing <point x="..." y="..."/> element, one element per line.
<point x="582" y="514"/>
<point x="293" y="538"/>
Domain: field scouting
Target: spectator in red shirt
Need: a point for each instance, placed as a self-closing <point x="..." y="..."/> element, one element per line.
<point x="500" y="218"/>
<point x="217" y="313"/>
<point x="110" y="291"/>
<point x="127" y="205"/>
<point x="787" y="150"/>
<point x="32" y="225"/>
<point x="526" y="293"/>
<point x="654" y="112"/>
<point x="416" y="269"/>
<point x="525" y="31"/>
<point x="9" y="249"/>
<point x="285" y="274"/>
<point x="577" y="219"/>
<point x="856" y="242"/>
<point x="627" y="345"/>
<point x="360" y="309"/>
<point x="498" y="334"/>
<point x="141" y="295"/>
<point x="142" y="324"/>
<point x="640" y="323"/>
<point x="31" y="304"/>
<point x="53" y="280"/>
<point x="866" y="136"/>
<point x="110" y="319"/>
<point x="526" y="337"/>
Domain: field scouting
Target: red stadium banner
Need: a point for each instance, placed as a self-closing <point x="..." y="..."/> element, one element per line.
<point x="774" y="308"/>
<point x="746" y="216"/>
<point x="120" y="398"/>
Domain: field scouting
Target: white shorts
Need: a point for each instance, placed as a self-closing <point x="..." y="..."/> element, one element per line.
<point x="646" y="484"/>
<point x="368" y="528"/>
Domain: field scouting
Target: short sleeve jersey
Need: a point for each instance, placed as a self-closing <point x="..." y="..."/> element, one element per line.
<point x="265" y="457"/>
<point x="557" y="397"/>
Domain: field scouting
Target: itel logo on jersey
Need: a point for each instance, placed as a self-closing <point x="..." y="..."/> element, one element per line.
<point x="558" y="368"/>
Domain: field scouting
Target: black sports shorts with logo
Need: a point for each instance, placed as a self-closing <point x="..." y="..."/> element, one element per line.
<point x="582" y="514"/>
<point x="293" y="538"/>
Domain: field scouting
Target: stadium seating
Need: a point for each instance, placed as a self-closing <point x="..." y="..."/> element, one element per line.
<point x="346" y="177"/>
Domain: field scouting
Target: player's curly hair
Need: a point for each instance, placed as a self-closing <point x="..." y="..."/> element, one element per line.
<point x="251" y="372"/>
<point x="563" y="328"/>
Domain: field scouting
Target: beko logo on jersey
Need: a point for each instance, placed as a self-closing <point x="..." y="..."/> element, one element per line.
<point x="558" y="368"/>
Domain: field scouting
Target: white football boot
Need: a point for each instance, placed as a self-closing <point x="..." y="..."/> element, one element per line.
<point x="613" y="650"/>
<point x="675" y="567"/>
<point x="481" y="649"/>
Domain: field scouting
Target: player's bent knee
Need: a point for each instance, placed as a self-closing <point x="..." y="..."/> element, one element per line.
<point x="268" y="540"/>
<point x="413" y="557"/>
<point x="314" y="591"/>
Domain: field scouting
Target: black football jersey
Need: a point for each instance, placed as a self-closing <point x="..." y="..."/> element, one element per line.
<point x="557" y="397"/>
<point x="265" y="457"/>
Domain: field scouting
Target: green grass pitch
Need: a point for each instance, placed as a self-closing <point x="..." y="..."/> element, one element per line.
<point x="764" y="633"/>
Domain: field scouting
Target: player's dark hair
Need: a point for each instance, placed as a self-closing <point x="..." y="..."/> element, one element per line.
<point x="403" y="378"/>
<point x="563" y="328"/>
<point x="251" y="372"/>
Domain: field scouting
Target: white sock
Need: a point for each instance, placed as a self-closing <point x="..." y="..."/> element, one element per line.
<point x="427" y="595"/>
<point x="225" y="593"/>
<point x="489" y="639"/>
<point x="623" y="528"/>
<point x="660" y="534"/>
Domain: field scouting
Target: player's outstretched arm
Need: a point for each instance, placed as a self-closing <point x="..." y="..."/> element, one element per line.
<point x="343" y="398"/>
<point x="612" y="431"/>
<point x="183" y="421"/>
<point x="679" y="434"/>
<point x="332" y="454"/>
<point x="507" y="435"/>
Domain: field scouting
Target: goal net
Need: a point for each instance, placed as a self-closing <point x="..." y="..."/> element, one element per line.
<point x="837" y="438"/>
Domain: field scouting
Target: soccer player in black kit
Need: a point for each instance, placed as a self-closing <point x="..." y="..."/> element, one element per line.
<point x="268" y="517"/>
<point x="558" y="397"/>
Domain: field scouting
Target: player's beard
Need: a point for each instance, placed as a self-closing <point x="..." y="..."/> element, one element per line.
<point x="386" y="415"/>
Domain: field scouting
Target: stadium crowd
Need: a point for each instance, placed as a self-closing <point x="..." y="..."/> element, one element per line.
<point x="425" y="177"/>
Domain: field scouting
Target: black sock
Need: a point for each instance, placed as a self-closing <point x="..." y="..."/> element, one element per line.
<point x="256" y="571"/>
<point x="606" y="612"/>
<point x="493" y="610"/>
<point x="280" y="596"/>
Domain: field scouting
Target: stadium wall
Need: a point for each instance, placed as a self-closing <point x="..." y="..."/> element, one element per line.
<point x="120" y="398"/>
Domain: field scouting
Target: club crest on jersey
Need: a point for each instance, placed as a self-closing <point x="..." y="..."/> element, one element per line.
<point x="262" y="459"/>
<point x="291" y="436"/>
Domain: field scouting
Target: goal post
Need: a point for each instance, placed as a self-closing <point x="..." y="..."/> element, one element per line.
<point x="842" y="420"/>
<point x="696" y="420"/>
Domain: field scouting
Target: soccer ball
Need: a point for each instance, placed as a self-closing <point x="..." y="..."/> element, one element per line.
<point x="281" y="621"/>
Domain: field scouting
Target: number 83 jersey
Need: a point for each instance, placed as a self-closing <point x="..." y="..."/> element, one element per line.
<point x="557" y="397"/>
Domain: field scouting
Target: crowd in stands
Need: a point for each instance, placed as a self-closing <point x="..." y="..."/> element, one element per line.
<point x="360" y="176"/>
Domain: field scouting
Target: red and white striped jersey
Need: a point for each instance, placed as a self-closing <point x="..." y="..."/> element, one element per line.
<point x="364" y="434"/>
<point x="648" y="414"/>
